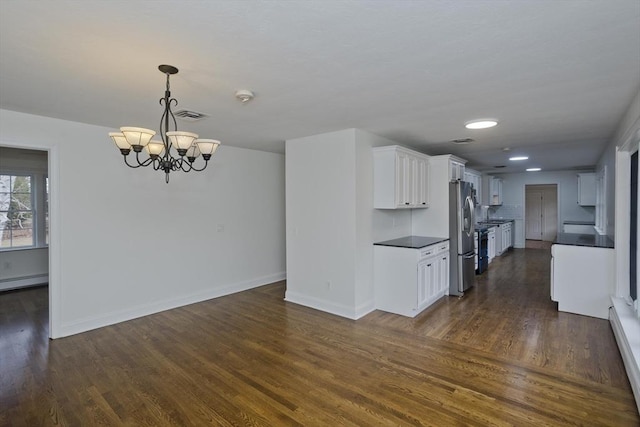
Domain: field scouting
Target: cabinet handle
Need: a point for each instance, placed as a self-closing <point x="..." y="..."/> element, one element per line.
<point x="406" y="203"/>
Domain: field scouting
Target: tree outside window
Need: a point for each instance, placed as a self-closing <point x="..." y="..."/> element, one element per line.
<point x="16" y="211"/>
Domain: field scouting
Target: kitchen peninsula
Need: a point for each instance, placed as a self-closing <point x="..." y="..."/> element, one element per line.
<point x="582" y="273"/>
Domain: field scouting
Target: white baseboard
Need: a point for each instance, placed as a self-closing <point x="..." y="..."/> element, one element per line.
<point x="626" y="328"/>
<point x="89" y="323"/>
<point x="23" y="282"/>
<point x="341" y="310"/>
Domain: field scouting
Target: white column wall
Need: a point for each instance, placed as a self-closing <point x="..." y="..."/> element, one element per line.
<point x="321" y="221"/>
<point x="125" y="244"/>
<point x="331" y="223"/>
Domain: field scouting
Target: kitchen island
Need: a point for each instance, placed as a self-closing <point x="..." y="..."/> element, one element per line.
<point x="410" y="273"/>
<point x="582" y="273"/>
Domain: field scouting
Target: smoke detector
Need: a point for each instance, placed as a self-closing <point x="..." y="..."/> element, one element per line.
<point x="244" y="95"/>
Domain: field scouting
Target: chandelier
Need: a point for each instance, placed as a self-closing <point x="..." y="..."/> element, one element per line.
<point x="176" y="151"/>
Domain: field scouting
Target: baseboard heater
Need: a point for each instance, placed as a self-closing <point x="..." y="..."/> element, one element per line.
<point x="23" y="282"/>
<point x="625" y="325"/>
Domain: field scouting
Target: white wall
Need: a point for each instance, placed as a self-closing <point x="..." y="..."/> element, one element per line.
<point x="629" y="124"/>
<point x="513" y="191"/>
<point x="625" y="318"/>
<point x="330" y="221"/>
<point x="125" y="244"/>
<point x="24" y="267"/>
<point x="320" y="207"/>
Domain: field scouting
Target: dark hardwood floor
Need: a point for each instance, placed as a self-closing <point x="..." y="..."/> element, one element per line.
<point x="502" y="355"/>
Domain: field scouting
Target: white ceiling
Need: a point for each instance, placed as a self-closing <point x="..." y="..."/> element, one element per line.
<point x="558" y="75"/>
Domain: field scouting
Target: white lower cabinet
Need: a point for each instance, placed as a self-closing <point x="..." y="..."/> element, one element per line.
<point x="582" y="279"/>
<point x="409" y="280"/>
<point x="491" y="244"/>
<point x="506" y="236"/>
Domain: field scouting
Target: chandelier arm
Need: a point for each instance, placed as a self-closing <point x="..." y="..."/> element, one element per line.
<point x="186" y="166"/>
<point x="175" y="103"/>
<point x="146" y="161"/>
<point x="156" y="164"/>
<point x="195" y="169"/>
<point x="140" y="164"/>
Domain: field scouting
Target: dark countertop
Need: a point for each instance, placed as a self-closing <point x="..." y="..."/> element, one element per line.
<point x="495" y="221"/>
<point x="580" y="223"/>
<point x="412" y="242"/>
<point x="575" y="239"/>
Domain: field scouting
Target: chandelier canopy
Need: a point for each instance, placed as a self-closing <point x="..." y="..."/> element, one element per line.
<point x="176" y="151"/>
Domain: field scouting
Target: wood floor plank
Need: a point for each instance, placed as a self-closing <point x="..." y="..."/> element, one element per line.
<point x="500" y="356"/>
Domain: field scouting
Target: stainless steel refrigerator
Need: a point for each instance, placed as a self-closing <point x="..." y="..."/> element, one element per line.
<point x="461" y="235"/>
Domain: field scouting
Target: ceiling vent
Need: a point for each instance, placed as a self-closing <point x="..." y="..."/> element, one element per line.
<point x="462" y="141"/>
<point x="190" y="116"/>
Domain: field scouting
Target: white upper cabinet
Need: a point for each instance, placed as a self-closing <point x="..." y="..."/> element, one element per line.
<point x="456" y="170"/>
<point x="475" y="178"/>
<point x="400" y="178"/>
<point x="587" y="189"/>
<point x="495" y="191"/>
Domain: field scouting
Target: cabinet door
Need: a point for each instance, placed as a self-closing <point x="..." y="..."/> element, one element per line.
<point x="587" y="189"/>
<point x="492" y="246"/>
<point x="495" y="191"/>
<point x="422" y="183"/>
<point x="506" y="238"/>
<point x="443" y="273"/>
<point x="456" y="171"/>
<point x="402" y="179"/>
<point x="427" y="278"/>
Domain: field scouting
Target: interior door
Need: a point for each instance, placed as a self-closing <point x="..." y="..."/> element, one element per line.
<point x="533" y="215"/>
<point x="541" y="212"/>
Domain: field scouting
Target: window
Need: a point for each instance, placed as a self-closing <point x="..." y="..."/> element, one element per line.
<point x="16" y="211"/>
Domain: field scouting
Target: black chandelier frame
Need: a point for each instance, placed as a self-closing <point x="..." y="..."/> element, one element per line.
<point x="165" y="161"/>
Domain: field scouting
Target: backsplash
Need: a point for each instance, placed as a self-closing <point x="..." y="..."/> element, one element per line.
<point x="506" y="212"/>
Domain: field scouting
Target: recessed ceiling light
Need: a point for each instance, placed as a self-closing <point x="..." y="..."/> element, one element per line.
<point x="515" y="159"/>
<point x="481" y="124"/>
<point x="534" y="170"/>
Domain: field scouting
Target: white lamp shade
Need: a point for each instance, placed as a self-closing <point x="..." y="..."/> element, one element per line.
<point x="181" y="140"/>
<point x="155" y="147"/>
<point x="207" y="146"/>
<point x="137" y="136"/>
<point x="193" y="151"/>
<point x="120" y="140"/>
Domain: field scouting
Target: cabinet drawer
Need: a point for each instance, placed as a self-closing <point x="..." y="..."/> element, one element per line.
<point x="434" y="250"/>
<point x="428" y="251"/>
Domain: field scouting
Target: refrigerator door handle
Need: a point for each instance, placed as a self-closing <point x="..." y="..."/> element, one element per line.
<point x="469" y="255"/>
<point x="468" y="216"/>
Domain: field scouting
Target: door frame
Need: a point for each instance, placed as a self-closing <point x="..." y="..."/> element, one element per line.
<point x="53" y="173"/>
